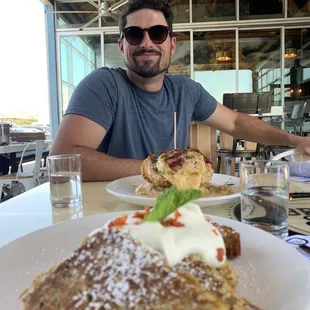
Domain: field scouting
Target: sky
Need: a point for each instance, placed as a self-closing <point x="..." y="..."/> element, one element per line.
<point x="23" y="60"/>
<point x="210" y="81"/>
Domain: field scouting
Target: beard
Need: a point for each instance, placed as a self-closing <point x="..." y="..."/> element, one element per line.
<point x="147" y="68"/>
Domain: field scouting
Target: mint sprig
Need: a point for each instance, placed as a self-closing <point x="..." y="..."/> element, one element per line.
<point x="170" y="200"/>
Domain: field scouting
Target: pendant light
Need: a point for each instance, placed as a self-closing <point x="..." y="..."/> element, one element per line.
<point x="223" y="56"/>
<point x="290" y="52"/>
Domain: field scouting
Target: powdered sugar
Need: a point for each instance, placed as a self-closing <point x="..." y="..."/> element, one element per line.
<point x="126" y="273"/>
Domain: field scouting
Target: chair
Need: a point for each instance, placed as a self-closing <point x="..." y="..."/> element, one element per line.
<point x="297" y="117"/>
<point x="203" y="138"/>
<point x="228" y="150"/>
<point x="248" y="103"/>
<point x="29" y="180"/>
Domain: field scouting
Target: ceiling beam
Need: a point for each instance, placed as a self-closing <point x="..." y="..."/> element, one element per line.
<point x="47" y="2"/>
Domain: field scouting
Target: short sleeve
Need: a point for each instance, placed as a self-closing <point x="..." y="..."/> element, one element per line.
<point x="95" y="98"/>
<point x="204" y="103"/>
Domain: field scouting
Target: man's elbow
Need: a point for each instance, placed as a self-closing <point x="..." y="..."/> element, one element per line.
<point x="58" y="150"/>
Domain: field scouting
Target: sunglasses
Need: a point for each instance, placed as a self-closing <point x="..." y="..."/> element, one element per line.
<point x="134" y="35"/>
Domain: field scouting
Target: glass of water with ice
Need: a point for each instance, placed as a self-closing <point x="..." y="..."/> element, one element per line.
<point x="65" y="177"/>
<point x="265" y="195"/>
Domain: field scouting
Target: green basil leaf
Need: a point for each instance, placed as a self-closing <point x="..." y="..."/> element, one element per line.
<point x="170" y="200"/>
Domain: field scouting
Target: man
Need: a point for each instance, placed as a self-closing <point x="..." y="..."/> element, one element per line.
<point x="116" y="118"/>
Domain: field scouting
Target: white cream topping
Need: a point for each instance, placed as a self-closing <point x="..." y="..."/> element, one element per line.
<point x="197" y="236"/>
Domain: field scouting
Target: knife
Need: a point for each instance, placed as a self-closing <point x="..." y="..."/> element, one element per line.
<point x="299" y="195"/>
<point x="305" y="248"/>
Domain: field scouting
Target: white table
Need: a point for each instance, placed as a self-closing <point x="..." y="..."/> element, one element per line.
<point x="14" y="148"/>
<point x="32" y="210"/>
<point x="19" y="147"/>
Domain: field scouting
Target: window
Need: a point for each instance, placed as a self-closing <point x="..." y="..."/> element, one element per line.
<point x="79" y="55"/>
<point x="112" y="54"/>
<point x="180" y="10"/>
<point x="214" y="62"/>
<point x="255" y="9"/>
<point x="298" y="8"/>
<point x="297" y="66"/>
<point x="259" y="62"/>
<point x="210" y="10"/>
<point x="76" y="14"/>
<point x="180" y="61"/>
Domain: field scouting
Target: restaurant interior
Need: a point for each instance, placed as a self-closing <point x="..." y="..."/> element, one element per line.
<point x="252" y="56"/>
<point x="235" y="47"/>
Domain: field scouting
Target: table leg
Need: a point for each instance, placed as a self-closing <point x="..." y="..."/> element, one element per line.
<point x="13" y="162"/>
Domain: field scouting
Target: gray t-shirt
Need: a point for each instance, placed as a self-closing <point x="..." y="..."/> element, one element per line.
<point x="139" y="122"/>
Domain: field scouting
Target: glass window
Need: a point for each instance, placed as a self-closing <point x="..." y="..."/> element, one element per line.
<point x="111" y="19"/>
<point x="80" y="22"/>
<point x="78" y="44"/>
<point x="77" y="68"/>
<point x="180" y="10"/>
<point x="180" y="61"/>
<point x="76" y="14"/>
<point x="259" y="62"/>
<point x="90" y="55"/>
<point x="64" y="61"/>
<point x="180" y="13"/>
<point x="255" y="9"/>
<point x="205" y="11"/>
<point x="297" y="66"/>
<point x="79" y="55"/>
<point x="65" y="96"/>
<point x="214" y="62"/>
<point x="112" y="54"/>
<point x="298" y="8"/>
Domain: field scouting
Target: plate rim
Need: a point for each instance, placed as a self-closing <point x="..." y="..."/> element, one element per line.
<point x="203" y="199"/>
<point x="103" y="217"/>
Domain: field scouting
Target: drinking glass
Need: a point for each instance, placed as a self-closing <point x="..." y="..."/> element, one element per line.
<point x="65" y="176"/>
<point x="265" y="195"/>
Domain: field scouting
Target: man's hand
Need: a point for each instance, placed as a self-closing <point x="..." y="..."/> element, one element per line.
<point x="303" y="145"/>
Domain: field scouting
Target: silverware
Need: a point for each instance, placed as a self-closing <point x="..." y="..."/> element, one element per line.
<point x="299" y="195"/>
<point x="305" y="248"/>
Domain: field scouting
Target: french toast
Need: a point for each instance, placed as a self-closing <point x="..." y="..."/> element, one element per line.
<point x="231" y="240"/>
<point x="111" y="270"/>
<point x="151" y="259"/>
<point x="212" y="279"/>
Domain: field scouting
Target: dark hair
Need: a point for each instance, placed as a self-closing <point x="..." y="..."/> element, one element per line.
<point x="136" y="5"/>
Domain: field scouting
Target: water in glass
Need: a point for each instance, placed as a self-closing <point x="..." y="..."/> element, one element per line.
<point x="266" y="207"/>
<point x="65" y="188"/>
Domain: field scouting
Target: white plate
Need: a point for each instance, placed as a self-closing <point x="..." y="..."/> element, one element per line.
<point x="125" y="189"/>
<point x="272" y="274"/>
<point x="292" y="155"/>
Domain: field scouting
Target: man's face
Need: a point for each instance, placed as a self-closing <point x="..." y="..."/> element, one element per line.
<point x="147" y="59"/>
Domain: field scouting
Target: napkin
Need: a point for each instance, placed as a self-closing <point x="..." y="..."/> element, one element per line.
<point x="300" y="171"/>
<point x="300" y="240"/>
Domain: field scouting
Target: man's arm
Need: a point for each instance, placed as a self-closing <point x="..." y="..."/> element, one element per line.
<point x="253" y="129"/>
<point x="79" y="135"/>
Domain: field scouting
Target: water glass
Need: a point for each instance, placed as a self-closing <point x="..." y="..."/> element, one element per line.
<point x="65" y="176"/>
<point x="265" y="195"/>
